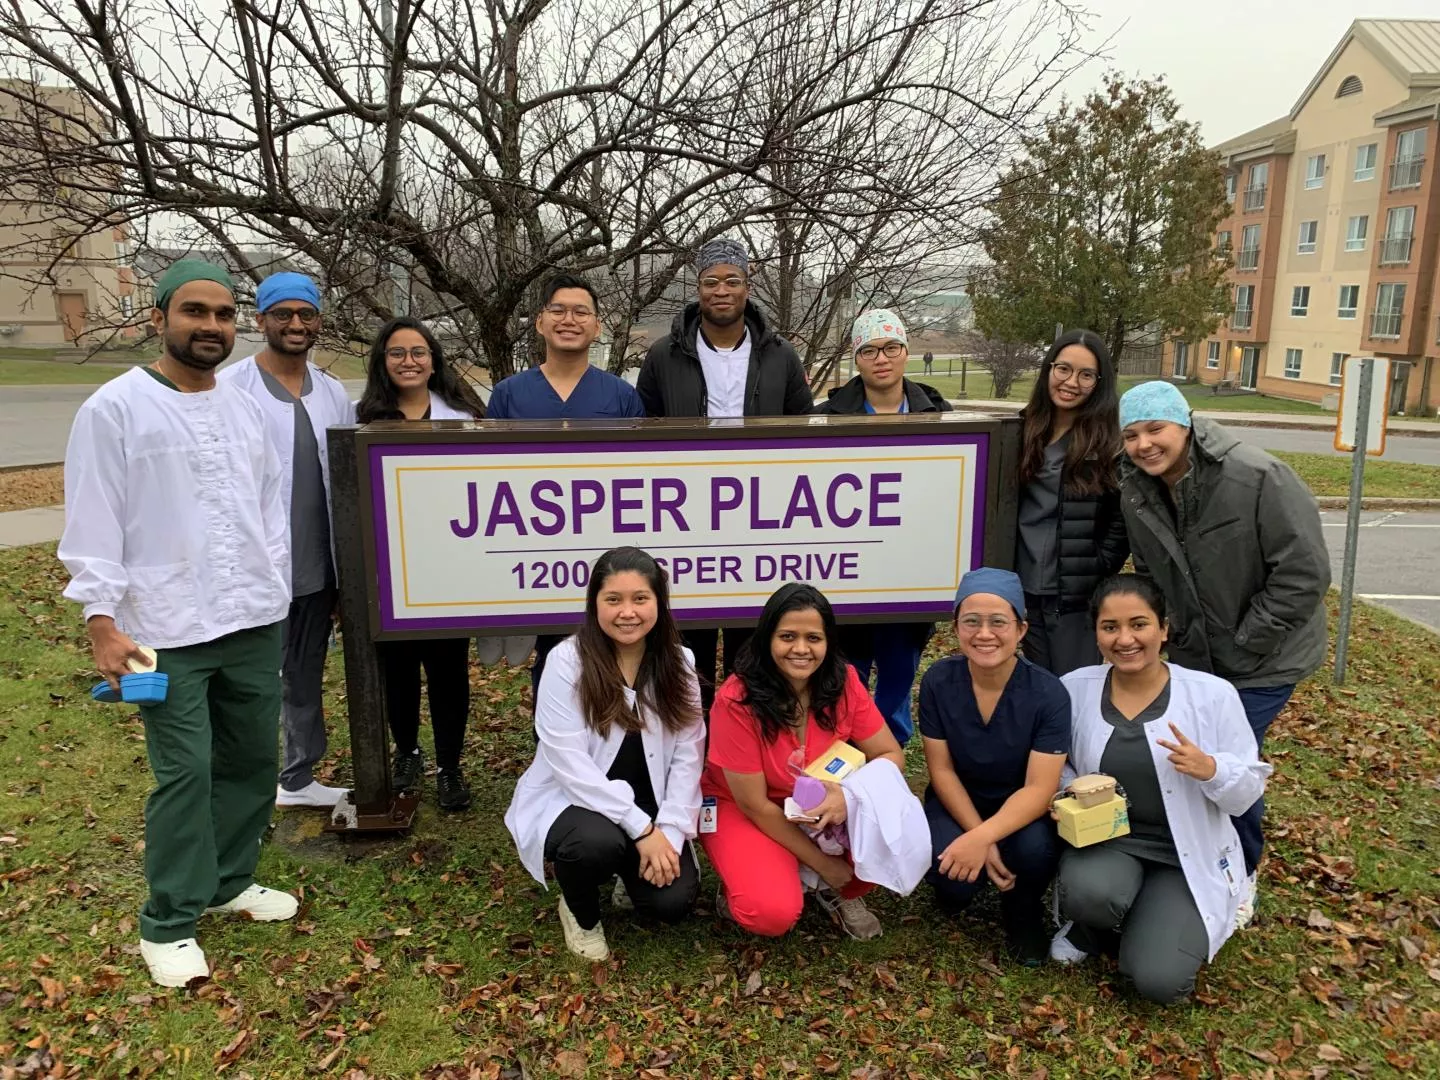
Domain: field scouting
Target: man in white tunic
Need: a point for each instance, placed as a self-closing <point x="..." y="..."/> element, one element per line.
<point x="176" y="538"/>
<point x="300" y="401"/>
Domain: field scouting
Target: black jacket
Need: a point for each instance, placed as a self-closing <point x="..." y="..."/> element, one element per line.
<point x="850" y="398"/>
<point x="1092" y="544"/>
<point x="672" y="383"/>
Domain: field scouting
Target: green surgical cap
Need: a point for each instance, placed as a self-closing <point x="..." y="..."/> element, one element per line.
<point x="185" y="271"/>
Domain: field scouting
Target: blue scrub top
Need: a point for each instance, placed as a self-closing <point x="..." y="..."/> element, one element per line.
<point x="1033" y="713"/>
<point x="528" y="395"/>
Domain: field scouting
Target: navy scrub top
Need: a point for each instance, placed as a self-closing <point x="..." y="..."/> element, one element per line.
<point x="1033" y="713"/>
<point x="528" y="395"/>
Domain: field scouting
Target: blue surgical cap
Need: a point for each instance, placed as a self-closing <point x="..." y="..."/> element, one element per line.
<point x="286" y="285"/>
<point x="993" y="582"/>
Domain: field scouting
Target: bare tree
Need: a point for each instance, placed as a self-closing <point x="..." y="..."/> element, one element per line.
<point x="1006" y="361"/>
<point x="455" y="152"/>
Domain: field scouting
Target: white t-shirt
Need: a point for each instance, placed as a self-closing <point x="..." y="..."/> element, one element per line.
<point x="725" y="372"/>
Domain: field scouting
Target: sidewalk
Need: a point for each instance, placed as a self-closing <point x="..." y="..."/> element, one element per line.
<point x="1398" y="425"/>
<point x="38" y="526"/>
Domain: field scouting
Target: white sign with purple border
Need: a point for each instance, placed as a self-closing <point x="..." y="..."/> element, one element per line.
<point x="488" y="536"/>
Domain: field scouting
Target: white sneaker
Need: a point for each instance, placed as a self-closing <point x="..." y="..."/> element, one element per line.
<point x="587" y="944"/>
<point x="1062" y="951"/>
<point x="312" y="794"/>
<point x="260" y="904"/>
<point x="174" y="963"/>
<point x="620" y="898"/>
<point x="1245" y="910"/>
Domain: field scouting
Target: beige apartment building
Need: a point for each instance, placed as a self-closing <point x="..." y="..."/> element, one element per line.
<point x="63" y="279"/>
<point x="1334" y="229"/>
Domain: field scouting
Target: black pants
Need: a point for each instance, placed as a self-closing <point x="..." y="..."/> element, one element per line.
<point x="447" y="676"/>
<point x="588" y="849"/>
<point x="706" y="644"/>
<point x="544" y="645"/>
<point x="1058" y="641"/>
<point x="1031" y="854"/>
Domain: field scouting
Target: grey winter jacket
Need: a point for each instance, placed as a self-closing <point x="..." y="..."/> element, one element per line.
<point x="1240" y="557"/>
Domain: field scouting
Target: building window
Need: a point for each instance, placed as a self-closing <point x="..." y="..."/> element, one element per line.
<point x="1300" y="301"/>
<point x="1349" y="301"/>
<point x="1212" y="355"/>
<point x="1409" y="164"/>
<point x="1315" y="171"/>
<point x="1389" y="310"/>
<point x="1248" y="257"/>
<point x="1230" y="181"/>
<point x="1292" y="363"/>
<point x="1337" y="367"/>
<point x="1309" y="231"/>
<point x="127" y="305"/>
<point x="1399" y="233"/>
<point x="1255" y="189"/>
<point x="1365" y="161"/>
<point x="1355" y="232"/>
<point x="1244" y="307"/>
<point x="1222" y="241"/>
<point x="1349" y="86"/>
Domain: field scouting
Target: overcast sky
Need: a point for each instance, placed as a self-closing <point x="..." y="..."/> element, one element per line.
<point x="1233" y="64"/>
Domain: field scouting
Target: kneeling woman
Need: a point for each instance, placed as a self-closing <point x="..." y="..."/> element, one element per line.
<point x="791" y="698"/>
<point x="1178" y="742"/>
<point x="996" y="730"/>
<point x="615" y="785"/>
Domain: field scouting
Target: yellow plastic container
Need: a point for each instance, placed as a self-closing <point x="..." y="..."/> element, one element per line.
<point x="1081" y="826"/>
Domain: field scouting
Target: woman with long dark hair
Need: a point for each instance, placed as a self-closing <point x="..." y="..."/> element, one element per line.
<point x="407" y="378"/>
<point x="1166" y="896"/>
<point x="1071" y="531"/>
<point x="791" y="698"/>
<point x="615" y="784"/>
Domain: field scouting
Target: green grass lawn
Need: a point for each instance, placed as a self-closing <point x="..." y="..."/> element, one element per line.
<point x="1330" y="475"/>
<point x="22" y="372"/>
<point x="435" y="949"/>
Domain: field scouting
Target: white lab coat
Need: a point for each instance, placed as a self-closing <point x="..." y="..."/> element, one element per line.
<point x="326" y="403"/>
<point x="174" y="524"/>
<point x="440" y="411"/>
<point x="572" y="759"/>
<point x="889" y="836"/>
<point x="1208" y="710"/>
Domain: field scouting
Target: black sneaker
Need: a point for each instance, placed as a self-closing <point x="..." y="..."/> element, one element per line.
<point x="451" y="791"/>
<point x="409" y="774"/>
<point x="1027" y="944"/>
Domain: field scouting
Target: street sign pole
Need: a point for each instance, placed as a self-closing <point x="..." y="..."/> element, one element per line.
<point x="1352" y="518"/>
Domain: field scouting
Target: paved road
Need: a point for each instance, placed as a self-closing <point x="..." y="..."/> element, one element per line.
<point x="1398" y="562"/>
<point x="1414" y="449"/>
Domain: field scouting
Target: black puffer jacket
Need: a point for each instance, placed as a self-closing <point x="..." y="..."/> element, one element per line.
<point x="850" y="398"/>
<point x="672" y="382"/>
<point x="1092" y="546"/>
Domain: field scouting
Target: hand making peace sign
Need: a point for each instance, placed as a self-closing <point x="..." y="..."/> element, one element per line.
<point x="1188" y="759"/>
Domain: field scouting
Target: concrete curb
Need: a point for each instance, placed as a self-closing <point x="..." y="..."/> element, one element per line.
<point x="36" y="465"/>
<point x="1342" y="502"/>
<point x="1300" y="425"/>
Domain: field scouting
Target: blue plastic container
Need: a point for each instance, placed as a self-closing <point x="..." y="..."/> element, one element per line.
<point x="145" y="688"/>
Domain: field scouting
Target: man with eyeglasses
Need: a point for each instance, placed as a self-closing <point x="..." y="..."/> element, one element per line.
<point x="565" y="387"/>
<point x="881" y="349"/>
<point x="722" y="359"/>
<point x="299" y="402"/>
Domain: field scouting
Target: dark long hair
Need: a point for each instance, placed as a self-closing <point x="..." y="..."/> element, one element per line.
<point x="663" y="684"/>
<point x="1129" y="585"/>
<point x="768" y="693"/>
<point x="380" y="401"/>
<point x="1089" y="467"/>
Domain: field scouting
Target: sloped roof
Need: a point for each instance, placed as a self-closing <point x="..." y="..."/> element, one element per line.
<point x="1408" y="48"/>
<point x="1276" y="137"/>
<point x="1426" y="103"/>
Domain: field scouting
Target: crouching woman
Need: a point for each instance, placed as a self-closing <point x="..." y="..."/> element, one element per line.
<point x="615" y="784"/>
<point x="1177" y="741"/>
<point x="791" y="698"/>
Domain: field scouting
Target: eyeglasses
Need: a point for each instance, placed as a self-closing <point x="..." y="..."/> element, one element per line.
<point x="559" y="311"/>
<point x="1084" y="376"/>
<point x="732" y="282"/>
<point x="282" y="316"/>
<point x="998" y="624"/>
<point x="416" y="352"/>
<point x="891" y="349"/>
